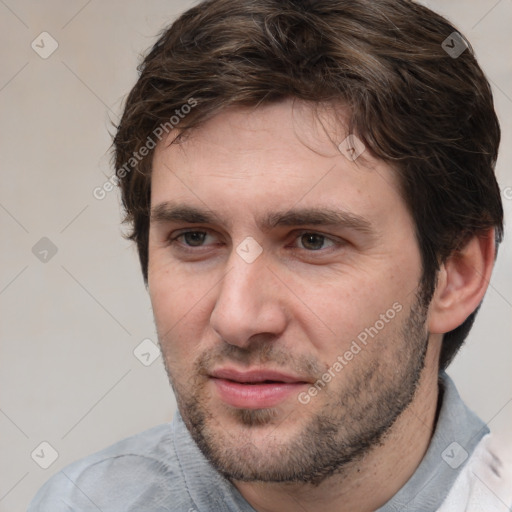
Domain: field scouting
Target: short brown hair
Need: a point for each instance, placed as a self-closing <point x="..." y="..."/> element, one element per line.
<point x="426" y="112"/>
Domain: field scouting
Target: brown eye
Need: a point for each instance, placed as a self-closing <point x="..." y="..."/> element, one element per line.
<point x="193" y="238"/>
<point x="312" y="241"/>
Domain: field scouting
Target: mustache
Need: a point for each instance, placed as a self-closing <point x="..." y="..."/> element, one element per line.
<point x="266" y="355"/>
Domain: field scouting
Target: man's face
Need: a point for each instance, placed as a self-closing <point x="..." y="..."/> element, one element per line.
<point x="286" y="302"/>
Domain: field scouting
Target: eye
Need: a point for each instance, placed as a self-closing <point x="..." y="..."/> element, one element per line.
<point x="305" y="240"/>
<point x="193" y="238"/>
<point x="190" y="238"/>
<point x="314" y="241"/>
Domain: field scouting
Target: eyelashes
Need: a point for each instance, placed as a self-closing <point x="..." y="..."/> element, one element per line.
<point x="310" y="241"/>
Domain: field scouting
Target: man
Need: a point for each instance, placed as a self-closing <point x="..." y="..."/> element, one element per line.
<point x="311" y="190"/>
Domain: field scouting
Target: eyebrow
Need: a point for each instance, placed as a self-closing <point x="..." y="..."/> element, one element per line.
<point x="170" y="212"/>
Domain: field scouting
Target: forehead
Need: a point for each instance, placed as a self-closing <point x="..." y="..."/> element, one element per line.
<point x="272" y="158"/>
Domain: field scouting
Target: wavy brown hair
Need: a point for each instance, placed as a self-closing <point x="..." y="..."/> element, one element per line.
<point x="428" y="115"/>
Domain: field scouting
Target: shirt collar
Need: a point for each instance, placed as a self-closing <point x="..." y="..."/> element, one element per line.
<point x="458" y="430"/>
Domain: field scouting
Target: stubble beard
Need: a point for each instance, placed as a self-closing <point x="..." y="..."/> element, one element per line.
<point x="351" y="422"/>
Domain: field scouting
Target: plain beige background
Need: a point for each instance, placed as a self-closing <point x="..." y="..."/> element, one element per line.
<point x="70" y="324"/>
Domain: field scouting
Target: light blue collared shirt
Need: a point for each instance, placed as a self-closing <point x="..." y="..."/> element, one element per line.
<point x="162" y="470"/>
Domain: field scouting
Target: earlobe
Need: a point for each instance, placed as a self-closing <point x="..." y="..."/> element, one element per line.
<point x="462" y="282"/>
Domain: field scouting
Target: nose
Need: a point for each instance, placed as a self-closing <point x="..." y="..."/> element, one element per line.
<point x="249" y="303"/>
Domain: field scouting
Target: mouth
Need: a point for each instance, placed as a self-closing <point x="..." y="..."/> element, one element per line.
<point x="255" y="389"/>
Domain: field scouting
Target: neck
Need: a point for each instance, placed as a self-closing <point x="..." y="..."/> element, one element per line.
<point x="366" y="484"/>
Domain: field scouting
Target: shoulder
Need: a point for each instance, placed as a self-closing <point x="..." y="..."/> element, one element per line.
<point x="485" y="483"/>
<point x="140" y="473"/>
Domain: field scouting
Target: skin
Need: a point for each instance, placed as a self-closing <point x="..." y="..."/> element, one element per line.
<point x="298" y="306"/>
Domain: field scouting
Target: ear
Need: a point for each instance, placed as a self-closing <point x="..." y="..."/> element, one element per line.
<point x="462" y="282"/>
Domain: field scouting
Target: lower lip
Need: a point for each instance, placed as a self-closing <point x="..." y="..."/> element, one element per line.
<point x="255" y="396"/>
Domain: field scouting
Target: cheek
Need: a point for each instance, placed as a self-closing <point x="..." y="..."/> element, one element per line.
<point x="170" y="290"/>
<point x="355" y="306"/>
<point x="180" y="307"/>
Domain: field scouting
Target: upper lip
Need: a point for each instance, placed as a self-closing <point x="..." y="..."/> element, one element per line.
<point x="256" y="375"/>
